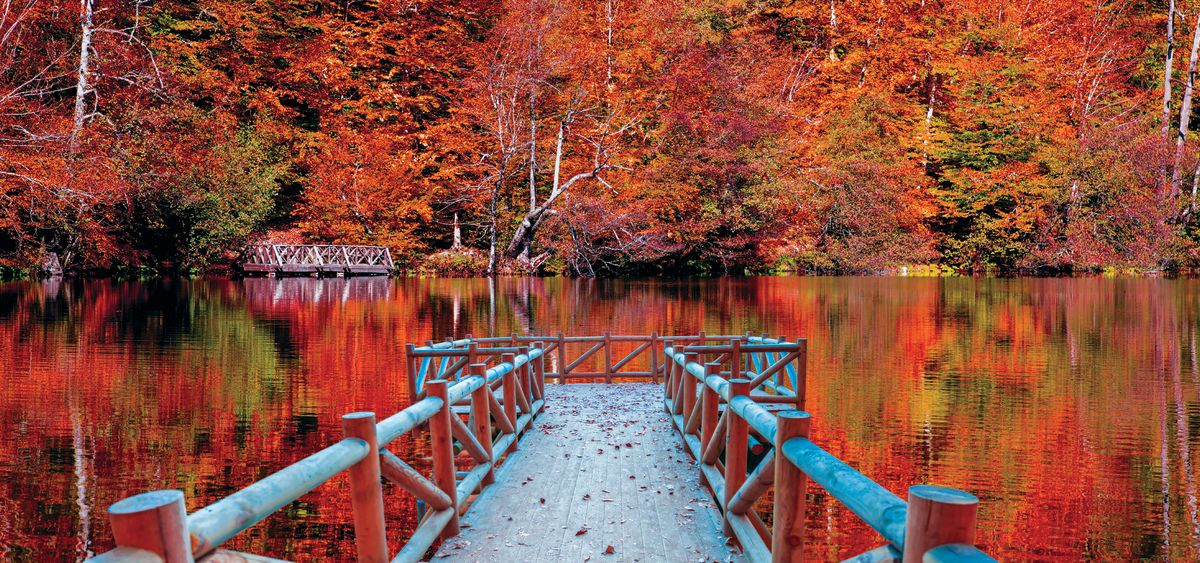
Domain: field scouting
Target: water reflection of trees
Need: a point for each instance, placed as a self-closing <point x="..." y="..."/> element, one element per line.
<point x="1053" y="399"/>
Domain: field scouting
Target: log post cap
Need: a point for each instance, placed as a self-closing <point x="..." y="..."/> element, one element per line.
<point x="797" y="414"/>
<point x="142" y="502"/>
<point x="477" y="369"/>
<point x="941" y="495"/>
<point x="359" y="415"/>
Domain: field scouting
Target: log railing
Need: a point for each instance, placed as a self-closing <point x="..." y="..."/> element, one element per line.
<point x="154" y="526"/>
<point x="728" y="414"/>
<point x="609" y="357"/>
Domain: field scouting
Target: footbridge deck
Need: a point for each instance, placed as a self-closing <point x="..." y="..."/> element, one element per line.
<point x="670" y="463"/>
<point x="606" y="474"/>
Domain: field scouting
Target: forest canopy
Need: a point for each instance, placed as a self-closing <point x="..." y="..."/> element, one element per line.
<point x="603" y="137"/>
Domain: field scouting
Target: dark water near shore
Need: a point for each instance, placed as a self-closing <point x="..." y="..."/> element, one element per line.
<point x="1071" y="407"/>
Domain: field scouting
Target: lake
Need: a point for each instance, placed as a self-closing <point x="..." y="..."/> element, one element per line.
<point x="1071" y="407"/>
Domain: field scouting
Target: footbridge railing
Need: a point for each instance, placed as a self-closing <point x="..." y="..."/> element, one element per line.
<point x="736" y="400"/>
<point x="337" y="259"/>
<point x="607" y="357"/>
<point x="728" y="413"/>
<point x="499" y="402"/>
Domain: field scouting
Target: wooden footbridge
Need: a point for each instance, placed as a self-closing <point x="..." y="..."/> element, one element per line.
<point x="665" y="454"/>
<point x="316" y="259"/>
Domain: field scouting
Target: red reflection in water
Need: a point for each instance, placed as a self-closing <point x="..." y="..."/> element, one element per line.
<point x="1071" y="407"/>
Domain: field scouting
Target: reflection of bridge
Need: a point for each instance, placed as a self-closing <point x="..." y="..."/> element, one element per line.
<point x="265" y="293"/>
<point x="306" y="259"/>
<point x="603" y="462"/>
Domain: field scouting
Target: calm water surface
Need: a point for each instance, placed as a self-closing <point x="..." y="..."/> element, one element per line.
<point x="1071" y="407"/>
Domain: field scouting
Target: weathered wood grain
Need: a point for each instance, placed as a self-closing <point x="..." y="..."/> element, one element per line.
<point x="607" y="464"/>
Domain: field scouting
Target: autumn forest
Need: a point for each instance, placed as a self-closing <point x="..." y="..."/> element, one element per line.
<point x="603" y="137"/>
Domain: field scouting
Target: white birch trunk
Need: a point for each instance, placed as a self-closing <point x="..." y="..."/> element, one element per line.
<point x="1185" y="110"/>
<point x="1167" y="67"/>
<point x="82" y="87"/>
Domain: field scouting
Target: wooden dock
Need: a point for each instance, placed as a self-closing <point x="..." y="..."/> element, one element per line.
<point x="604" y="474"/>
<point x="665" y="460"/>
<point x="316" y="259"/>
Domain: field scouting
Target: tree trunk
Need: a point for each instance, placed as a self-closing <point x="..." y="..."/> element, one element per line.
<point x="82" y="87"/>
<point x="928" y="123"/>
<point x="524" y="234"/>
<point x="532" y="152"/>
<point x="492" y="216"/>
<point x="528" y="226"/>
<point x="1195" y="184"/>
<point x="1166" y="83"/>
<point x="1185" y="110"/>
<point x="457" y="245"/>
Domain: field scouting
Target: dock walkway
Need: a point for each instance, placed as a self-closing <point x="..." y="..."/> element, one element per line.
<point x="603" y="467"/>
<point x="667" y="460"/>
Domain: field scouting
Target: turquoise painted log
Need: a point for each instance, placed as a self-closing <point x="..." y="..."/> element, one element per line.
<point x="464" y="388"/>
<point x="759" y="418"/>
<point x="421" y="540"/>
<point x="957" y="553"/>
<point x="877" y="506"/>
<point x="126" y="555"/>
<point x="402" y="422"/>
<point x="470" y="482"/>
<point x="216" y="523"/>
<point x="446" y="344"/>
<point x="754" y="549"/>
<point x="756" y="484"/>
<point x="881" y="554"/>
<point x="718" y="384"/>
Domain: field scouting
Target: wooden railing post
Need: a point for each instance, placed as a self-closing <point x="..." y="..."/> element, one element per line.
<point x="510" y="398"/>
<point x="654" y="357"/>
<point x="667" y="370"/>
<point x="442" y="444"/>
<point x="156" y="522"/>
<point x="709" y="411"/>
<point x="737" y="435"/>
<point x="411" y="361"/>
<point x="791" y="486"/>
<point x="481" y="416"/>
<point x="608" y="375"/>
<point x="539" y="371"/>
<point x="366" y="491"/>
<point x="802" y="374"/>
<point x="735" y="359"/>
<point x="688" y="387"/>
<point x="938" y="516"/>
<point x="563" y="370"/>
<point x="526" y="374"/>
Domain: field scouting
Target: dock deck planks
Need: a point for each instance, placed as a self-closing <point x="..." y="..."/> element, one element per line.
<point x="614" y="446"/>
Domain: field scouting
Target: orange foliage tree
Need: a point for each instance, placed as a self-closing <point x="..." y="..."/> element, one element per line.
<point x="618" y="136"/>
